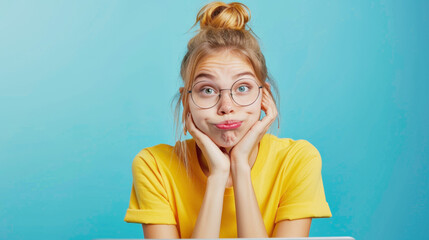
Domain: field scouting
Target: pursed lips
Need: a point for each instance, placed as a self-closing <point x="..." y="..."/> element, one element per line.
<point x="229" y="124"/>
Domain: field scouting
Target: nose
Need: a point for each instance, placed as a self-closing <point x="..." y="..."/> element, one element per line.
<point x="225" y="105"/>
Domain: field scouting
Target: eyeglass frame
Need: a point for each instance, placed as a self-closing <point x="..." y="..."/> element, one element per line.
<point x="230" y="93"/>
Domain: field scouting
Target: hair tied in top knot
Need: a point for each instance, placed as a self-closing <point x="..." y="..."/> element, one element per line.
<point x="233" y="15"/>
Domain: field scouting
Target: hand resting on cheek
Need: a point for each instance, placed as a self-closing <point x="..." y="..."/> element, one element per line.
<point x="218" y="161"/>
<point x="240" y="153"/>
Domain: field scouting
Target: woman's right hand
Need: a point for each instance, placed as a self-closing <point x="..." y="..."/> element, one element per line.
<point x="218" y="161"/>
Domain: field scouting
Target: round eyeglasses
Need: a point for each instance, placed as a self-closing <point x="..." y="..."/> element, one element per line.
<point x="243" y="92"/>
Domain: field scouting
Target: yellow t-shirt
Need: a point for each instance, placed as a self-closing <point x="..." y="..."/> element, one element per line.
<point x="286" y="179"/>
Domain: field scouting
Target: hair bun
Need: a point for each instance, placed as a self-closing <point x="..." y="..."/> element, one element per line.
<point x="233" y="15"/>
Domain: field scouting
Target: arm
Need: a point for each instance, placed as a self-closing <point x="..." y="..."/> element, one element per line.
<point x="249" y="218"/>
<point x="158" y="231"/>
<point x="210" y="215"/>
<point x="292" y="228"/>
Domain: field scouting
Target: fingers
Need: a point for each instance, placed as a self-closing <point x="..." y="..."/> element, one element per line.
<point x="269" y="107"/>
<point x="266" y="85"/>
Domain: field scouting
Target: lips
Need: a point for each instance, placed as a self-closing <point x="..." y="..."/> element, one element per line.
<point x="230" y="124"/>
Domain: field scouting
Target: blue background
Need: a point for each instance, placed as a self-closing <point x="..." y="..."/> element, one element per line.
<point x="85" y="85"/>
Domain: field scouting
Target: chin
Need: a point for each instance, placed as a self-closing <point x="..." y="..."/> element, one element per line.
<point x="226" y="145"/>
<point x="227" y="139"/>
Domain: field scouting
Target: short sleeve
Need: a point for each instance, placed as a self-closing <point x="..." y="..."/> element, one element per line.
<point x="149" y="201"/>
<point x="304" y="196"/>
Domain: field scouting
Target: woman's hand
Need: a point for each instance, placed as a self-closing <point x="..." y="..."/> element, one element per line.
<point x="241" y="152"/>
<point x="217" y="160"/>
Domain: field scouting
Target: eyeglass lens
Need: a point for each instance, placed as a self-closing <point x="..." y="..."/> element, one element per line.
<point x="206" y="94"/>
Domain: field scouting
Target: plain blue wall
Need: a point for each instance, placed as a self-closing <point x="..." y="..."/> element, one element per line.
<point x="85" y="85"/>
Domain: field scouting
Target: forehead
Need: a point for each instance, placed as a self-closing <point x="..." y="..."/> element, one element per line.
<point x="223" y="64"/>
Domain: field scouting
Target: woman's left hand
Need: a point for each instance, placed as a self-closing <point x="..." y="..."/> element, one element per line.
<point x="240" y="153"/>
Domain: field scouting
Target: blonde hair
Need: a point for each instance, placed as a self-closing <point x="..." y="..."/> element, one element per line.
<point x="222" y="28"/>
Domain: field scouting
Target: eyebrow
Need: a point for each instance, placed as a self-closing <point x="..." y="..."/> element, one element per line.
<point x="243" y="74"/>
<point x="211" y="77"/>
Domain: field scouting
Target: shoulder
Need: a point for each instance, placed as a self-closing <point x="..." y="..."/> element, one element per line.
<point x="289" y="145"/>
<point x="153" y="157"/>
<point x="291" y="151"/>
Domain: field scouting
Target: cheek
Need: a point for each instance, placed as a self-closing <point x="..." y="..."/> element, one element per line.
<point x="255" y="111"/>
<point x="199" y="118"/>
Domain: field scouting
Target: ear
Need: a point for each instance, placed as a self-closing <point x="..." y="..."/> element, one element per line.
<point x="267" y="85"/>
<point x="181" y="90"/>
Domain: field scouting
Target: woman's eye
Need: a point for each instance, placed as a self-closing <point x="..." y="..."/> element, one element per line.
<point x="208" y="90"/>
<point x="242" y="89"/>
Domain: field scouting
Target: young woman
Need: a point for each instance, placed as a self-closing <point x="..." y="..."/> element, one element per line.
<point x="231" y="179"/>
